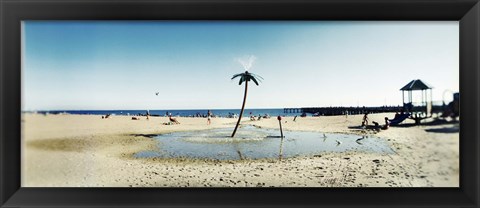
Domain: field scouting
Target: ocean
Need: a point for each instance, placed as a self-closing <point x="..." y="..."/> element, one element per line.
<point x="182" y="113"/>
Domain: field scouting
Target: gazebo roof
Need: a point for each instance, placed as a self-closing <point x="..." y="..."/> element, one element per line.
<point x="416" y="84"/>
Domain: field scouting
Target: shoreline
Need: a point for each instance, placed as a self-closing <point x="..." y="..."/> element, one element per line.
<point x="84" y="150"/>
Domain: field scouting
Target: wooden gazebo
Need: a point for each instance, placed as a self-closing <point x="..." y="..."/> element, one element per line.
<point x="421" y="109"/>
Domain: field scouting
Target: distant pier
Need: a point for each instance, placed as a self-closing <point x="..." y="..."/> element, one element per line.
<point x="334" y="111"/>
<point x="292" y="110"/>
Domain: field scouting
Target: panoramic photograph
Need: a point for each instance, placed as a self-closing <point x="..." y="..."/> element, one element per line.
<point x="240" y="104"/>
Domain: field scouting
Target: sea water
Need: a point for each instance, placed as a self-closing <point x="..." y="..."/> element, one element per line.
<point x="183" y="113"/>
<point x="255" y="143"/>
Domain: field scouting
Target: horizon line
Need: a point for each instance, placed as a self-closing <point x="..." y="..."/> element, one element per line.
<point x="262" y="108"/>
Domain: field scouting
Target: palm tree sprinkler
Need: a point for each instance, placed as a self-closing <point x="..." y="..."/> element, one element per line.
<point x="245" y="77"/>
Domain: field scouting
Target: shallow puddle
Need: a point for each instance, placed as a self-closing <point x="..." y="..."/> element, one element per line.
<point x="255" y="143"/>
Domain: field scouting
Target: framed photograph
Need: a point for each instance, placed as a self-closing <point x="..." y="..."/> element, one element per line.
<point x="239" y="103"/>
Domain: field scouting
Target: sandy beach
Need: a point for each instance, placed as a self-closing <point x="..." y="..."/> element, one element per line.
<point x="87" y="151"/>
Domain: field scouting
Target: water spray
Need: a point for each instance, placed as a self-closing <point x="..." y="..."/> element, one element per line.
<point x="247" y="62"/>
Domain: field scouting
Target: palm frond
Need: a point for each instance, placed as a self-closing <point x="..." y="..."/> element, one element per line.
<point x="242" y="79"/>
<point x="260" y="78"/>
<point x="254" y="80"/>
<point x="237" y="75"/>
<point x="246" y="77"/>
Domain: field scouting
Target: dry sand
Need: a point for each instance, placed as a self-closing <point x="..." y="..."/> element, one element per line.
<point x="87" y="151"/>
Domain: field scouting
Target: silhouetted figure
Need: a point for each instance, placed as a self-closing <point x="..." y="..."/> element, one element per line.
<point x="174" y="120"/>
<point x="365" y="120"/>
<point x="387" y="124"/>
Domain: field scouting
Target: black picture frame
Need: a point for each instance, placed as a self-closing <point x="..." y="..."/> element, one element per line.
<point x="12" y="12"/>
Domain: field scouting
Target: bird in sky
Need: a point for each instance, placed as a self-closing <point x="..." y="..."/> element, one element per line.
<point x="156" y="93"/>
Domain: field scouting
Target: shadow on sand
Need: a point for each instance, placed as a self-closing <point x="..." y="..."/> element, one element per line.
<point x="67" y="145"/>
<point x="365" y="130"/>
<point x="144" y="135"/>
<point x="435" y="122"/>
<point x="369" y="127"/>
<point x="450" y="129"/>
<point x="453" y="129"/>
<point x="356" y="127"/>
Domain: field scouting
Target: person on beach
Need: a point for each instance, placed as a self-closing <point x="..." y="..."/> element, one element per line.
<point x="294" y="118"/>
<point x="387" y="124"/>
<point x="209" y="117"/>
<point x="174" y="120"/>
<point x="396" y="115"/>
<point x="148" y="114"/>
<point x="365" y="120"/>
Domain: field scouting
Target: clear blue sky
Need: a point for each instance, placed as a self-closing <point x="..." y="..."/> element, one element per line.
<point x="121" y="64"/>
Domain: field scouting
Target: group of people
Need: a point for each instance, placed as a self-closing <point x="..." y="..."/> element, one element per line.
<point x="171" y="119"/>
<point x="257" y="118"/>
<point x="376" y="125"/>
<point x="254" y="118"/>
<point x="232" y="115"/>
<point x="209" y="117"/>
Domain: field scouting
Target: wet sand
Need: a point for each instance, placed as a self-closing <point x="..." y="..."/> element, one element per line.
<point x="87" y="151"/>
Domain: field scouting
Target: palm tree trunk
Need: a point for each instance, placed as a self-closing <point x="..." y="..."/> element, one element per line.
<point x="243" y="107"/>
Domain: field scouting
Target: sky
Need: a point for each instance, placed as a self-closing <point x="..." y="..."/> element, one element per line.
<point x="120" y="65"/>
